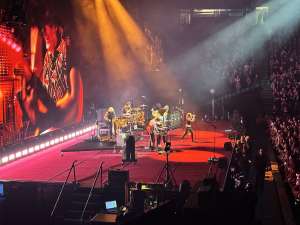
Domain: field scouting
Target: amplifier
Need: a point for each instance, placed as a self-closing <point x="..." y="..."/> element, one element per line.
<point x="118" y="178"/>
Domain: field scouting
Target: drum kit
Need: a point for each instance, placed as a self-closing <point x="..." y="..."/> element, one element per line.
<point x="133" y="119"/>
<point x="120" y="122"/>
<point x="136" y="119"/>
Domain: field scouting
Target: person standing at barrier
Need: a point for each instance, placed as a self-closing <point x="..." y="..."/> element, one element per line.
<point x="137" y="202"/>
<point x="129" y="153"/>
<point x="261" y="164"/>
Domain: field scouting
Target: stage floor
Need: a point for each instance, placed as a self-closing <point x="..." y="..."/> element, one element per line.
<point x="188" y="160"/>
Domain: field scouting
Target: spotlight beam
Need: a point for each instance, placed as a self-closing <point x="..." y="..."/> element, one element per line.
<point x="162" y="81"/>
<point x="243" y="38"/>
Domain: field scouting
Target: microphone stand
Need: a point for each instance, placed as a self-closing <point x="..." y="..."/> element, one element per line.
<point x="214" y="158"/>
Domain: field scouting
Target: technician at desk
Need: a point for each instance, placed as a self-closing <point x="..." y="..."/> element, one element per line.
<point x="132" y="213"/>
<point x="127" y="215"/>
<point x="137" y="201"/>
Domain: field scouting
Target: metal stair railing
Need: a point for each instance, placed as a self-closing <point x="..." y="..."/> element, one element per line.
<point x="72" y="168"/>
<point x="99" y="172"/>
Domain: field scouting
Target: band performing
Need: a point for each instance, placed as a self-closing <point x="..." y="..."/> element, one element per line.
<point x="155" y="122"/>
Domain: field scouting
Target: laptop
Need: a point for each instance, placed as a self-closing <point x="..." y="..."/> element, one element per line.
<point x="1" y="190"/>
<point x="111" y="206"/>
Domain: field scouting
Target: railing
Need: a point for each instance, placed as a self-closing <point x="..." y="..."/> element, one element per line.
<point x="62" y="188"/>
<point x="243" y="90"/>
<point x="228" y="169"/>
<point x="100" y="171"/>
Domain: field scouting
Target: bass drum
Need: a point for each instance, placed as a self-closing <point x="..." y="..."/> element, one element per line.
<point x="138" y="118"/>
<point x="175" y="119"/>
<point x="120" y="122"/>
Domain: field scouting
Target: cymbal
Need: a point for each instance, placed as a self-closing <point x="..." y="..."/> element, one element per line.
<point x="136" y="109"/>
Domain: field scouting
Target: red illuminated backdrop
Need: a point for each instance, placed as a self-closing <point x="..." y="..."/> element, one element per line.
<point x="10" y="84"/>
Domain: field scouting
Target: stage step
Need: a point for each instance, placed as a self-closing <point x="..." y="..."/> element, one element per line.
<point x="83" y="196"/>
<point x="71" y="221"/>
<point x="76" y="214"/>
<point x="80" y="204"/>
<point x="74" y="207"/>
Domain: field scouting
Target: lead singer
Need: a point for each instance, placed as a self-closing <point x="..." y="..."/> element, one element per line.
<point x="189" y="118"/>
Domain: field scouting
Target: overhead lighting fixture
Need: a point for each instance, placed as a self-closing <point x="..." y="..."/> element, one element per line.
<point x="218" y="12"/>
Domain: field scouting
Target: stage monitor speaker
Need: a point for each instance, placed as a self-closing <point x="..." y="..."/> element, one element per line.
<point x="227" y="146"/>
<point x="118" y="178"/>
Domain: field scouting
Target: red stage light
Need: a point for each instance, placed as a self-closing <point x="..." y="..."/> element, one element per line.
<point x="9" y="42"/>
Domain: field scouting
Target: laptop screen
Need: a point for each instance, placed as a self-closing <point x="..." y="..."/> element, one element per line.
<point x="1" y="190"/>
<point x="111" y="205"/>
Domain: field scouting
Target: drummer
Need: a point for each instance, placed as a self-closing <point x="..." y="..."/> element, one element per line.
<point x="127" y="108"/>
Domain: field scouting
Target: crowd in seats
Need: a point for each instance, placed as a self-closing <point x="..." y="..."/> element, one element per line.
<point x="284" y="127"/>
<point x="284" y="134"/>
<point x="234" y="69"/>
<point x="241" y="75"/>
<point x="238" y="74"/>
<point x="284" y="70"/>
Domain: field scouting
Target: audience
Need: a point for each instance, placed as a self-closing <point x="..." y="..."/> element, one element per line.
<point x="232" y="69"/>
<point x="284" y="70"/>
<point x="284" y="128"/>
<point x="284" y="133"/>
<point x="241" y="75"/>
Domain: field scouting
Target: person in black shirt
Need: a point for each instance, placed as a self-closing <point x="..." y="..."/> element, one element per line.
<point x="138" y="199"/>
<point x="261" y="163"/>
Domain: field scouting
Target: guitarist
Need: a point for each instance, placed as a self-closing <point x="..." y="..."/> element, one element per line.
<point x="54" y="98"/>
<point x="109" y="117"/>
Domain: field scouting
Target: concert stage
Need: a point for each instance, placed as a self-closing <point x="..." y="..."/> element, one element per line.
<point x="188" y="160"/>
